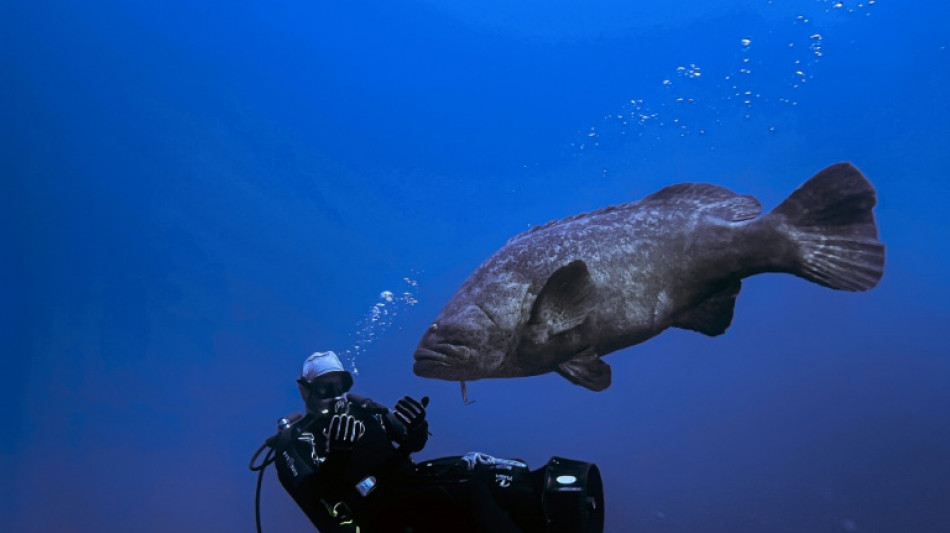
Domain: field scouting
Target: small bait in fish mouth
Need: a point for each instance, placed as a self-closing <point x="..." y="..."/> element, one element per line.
<point x="465" y="393"/>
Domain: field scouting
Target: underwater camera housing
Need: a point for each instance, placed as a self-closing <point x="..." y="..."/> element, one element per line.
<point x="563" y="496"/>
<point x="572" y="496"/>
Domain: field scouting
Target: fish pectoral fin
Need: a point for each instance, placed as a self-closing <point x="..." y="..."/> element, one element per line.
<point x="536" y="334"/>
<point x="566" y="299"/>
<point x="587" y="370"/>
<point x="714" y="314"/>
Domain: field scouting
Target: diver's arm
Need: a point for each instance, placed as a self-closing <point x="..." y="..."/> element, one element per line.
<point x="411" y="413"/>
<point x="408" y="440"/>
<point x="415" y="439"/>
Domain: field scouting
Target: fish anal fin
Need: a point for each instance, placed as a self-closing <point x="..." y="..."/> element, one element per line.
<point x="564" y="302"/>
<point x="587" y="370"/>
<point x="714" y="314"/>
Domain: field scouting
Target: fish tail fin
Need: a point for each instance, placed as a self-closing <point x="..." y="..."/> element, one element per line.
<point x="830" y="222"/>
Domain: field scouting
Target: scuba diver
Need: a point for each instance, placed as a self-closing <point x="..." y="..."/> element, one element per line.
<point x="347" y="464"/>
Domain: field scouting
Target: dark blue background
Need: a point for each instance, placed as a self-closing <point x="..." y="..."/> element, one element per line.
<point x="197" y="195"/>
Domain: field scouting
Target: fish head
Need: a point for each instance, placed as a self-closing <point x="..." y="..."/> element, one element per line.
<point x="472" y="336"/>
<point x="461" y="344"/>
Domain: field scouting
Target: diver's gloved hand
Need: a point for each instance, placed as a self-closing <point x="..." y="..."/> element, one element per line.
<point x="343" y="433"/>
<point x="411" y="412"/>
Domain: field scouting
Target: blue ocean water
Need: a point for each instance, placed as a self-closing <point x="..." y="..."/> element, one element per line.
<point x="198" y="195"/>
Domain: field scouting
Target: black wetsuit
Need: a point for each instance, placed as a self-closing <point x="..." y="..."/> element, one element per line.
<point x="393" y="496"/>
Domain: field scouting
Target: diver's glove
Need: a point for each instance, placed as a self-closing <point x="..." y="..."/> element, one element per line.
<point x="411" y="412"/>
<point x="343" y="433"/>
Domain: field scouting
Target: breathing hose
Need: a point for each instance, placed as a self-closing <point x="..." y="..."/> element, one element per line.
<point x="268" y="459"/>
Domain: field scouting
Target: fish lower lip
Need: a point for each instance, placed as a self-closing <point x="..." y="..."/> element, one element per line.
<point x="443" y="353"/>
<point x="429" y="356"/>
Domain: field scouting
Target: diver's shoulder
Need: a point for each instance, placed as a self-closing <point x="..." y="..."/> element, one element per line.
<point x="367" y="404"/>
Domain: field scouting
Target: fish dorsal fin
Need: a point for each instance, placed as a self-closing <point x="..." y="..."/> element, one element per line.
<point x="714" y="314"/>
<point x="715" y="200"/>
<point x="596" y="212"/>
<point x="711" y="198"/>
<point x="566" y="299"/>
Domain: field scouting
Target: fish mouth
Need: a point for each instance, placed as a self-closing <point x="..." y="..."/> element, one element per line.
<point x="425" y="355"/>
<point x="438" y="360"/>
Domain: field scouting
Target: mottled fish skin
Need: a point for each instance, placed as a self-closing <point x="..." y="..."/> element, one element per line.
<point x="560" y="296"/>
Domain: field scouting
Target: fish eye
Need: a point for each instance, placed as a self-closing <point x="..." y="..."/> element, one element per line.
<point x="434" y="327"/>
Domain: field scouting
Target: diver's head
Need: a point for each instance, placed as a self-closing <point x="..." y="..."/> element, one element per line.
<point x="323" y="377"/>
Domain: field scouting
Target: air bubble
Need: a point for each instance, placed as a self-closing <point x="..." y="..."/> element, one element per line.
<point x="378" y="319"/>
<point x="692" y="71"/>
<point x="802" y="40"/>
